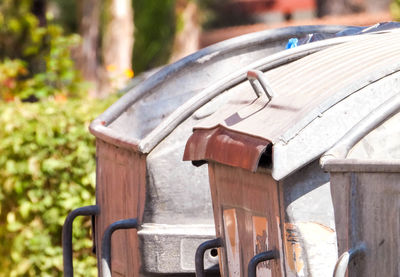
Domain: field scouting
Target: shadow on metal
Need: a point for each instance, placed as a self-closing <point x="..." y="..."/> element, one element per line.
<point x="262" y="257"/>
<point x="131" y="223"/>
<point x="67" y="236"/>
<point x="199" y="258"/>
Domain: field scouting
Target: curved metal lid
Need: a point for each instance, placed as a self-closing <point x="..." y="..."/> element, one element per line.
<point x="305" y="90"/>
<point x="381" y="122"/>
<point x="146" y="114"/>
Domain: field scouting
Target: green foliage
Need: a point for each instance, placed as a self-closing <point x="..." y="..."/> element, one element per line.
<point x="47" y="168"/>
<point x="59" y="75"/>
<point x="66" y="14"/>
<point x="10" y="71"/>
<point x="40" y="56"/>
<point x="154" y="33"/>
<point x="20" y="36"/>
<point x="395" y="9"/>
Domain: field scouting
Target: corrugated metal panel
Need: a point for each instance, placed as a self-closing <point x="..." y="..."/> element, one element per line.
<point x="304" y="90"/>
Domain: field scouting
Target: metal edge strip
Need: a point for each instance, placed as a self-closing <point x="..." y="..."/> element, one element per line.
<point x="357" y="165"/>
<point x="106" y="134"/>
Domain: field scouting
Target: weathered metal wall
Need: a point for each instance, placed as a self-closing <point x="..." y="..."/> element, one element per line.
<point x="364" y="167"/>
<point x="120" y="194"/>
<point x="247" y="217"/>
<point x="367" y="210"/>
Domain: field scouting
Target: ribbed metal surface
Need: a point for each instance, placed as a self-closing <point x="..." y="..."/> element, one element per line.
<point x="304" y="90"/>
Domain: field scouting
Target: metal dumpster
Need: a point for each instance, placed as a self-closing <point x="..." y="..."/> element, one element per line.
<point x="140" y="141"/>
<point x="271" y="199"/>
<point x="364" y="169"/>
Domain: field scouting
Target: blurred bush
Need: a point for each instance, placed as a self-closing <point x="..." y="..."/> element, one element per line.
<point x="47" y="168"/>
<point x="20" y="36"/>
<point x="47" y="161"/>
<point x="35" y="62"/>
<point x="154" y="33"/>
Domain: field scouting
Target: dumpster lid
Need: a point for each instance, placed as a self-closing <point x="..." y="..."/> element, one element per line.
<point x="149" y="112"/>
<point x="238" y="135"/>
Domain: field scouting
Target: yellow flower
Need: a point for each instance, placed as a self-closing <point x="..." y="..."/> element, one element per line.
<point x="129" y="73"/>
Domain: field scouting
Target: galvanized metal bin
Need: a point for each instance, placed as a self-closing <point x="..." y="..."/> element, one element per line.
<point x="271" y="199"/>
<point x="364" y="168"/>
<point x="140" y="141"/>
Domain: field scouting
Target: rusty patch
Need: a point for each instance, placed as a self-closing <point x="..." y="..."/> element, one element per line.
<point x="224" y="146"/>
<point x="293" y="248"/>
<point x="260" y="234"/>
<point x="260" y="242"/>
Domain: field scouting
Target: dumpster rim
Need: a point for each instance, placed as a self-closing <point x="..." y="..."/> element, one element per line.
<point x="335" y="157"/>
<point x="361" y="165"/>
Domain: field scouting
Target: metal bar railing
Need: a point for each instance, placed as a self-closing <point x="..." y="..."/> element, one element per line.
<point x="262" y="257"/>
<point x="67" y="236"/>
<point x="131" y="223"/>
<point x="199" y="258"/>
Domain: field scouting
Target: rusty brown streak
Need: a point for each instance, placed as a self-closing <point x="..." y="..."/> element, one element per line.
<point x="224" y="146"/>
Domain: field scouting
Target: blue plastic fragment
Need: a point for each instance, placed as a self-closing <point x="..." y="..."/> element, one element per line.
<point x="292" y="43"/>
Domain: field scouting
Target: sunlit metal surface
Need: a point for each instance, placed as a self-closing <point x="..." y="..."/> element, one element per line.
<point x="140" y="143"/>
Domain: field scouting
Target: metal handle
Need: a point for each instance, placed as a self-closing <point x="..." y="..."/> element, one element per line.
<point x="252" y="76"/>
<point x="344" y="260"/>
<point x="94" y="234"/>
<point x="199" y="258"/>
<point x="67" y="236"/>
<point x="262" y="257"/>
<point x="131" y="223"/>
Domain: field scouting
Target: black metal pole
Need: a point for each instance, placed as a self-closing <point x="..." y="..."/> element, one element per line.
<point x="262" y="257"/>
<point x="199" y="258"/>
<point x="67" y="236"/>
<point x="131" y="223"/>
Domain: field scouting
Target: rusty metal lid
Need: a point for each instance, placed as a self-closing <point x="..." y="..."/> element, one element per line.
<point x="317" y="99"/>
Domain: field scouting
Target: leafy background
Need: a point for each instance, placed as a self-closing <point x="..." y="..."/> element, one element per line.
<point x="47" y="168"/>
<point x="47" y="156"/>
<point x="47" y="161"/>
